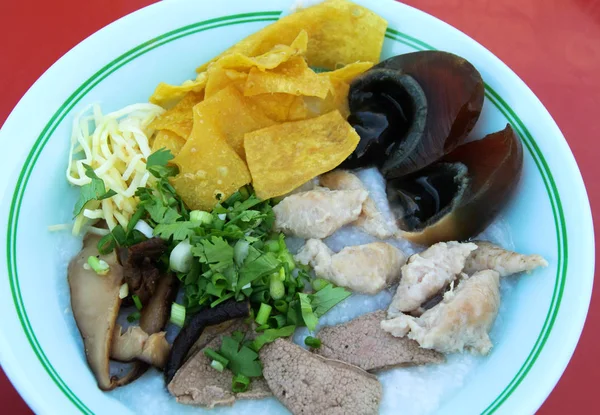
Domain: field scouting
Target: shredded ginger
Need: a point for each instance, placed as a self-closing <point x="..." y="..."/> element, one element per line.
<point x="116" y="146"/>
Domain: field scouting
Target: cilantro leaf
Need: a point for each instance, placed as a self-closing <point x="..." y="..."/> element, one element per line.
<point x="249" y="215"/>
<point x="308" y="315"/>
<point x="178" y="230"/>
<point x="216" y="252"/>
<point x="241" y="360"/>
<point x="94" y="190"/>
<point x="270" y="335"/>
<point x="157" y="164"/>
<point x="257" y="267"/>
<point x="232" y="232"/>
<point x="323" y="300"/>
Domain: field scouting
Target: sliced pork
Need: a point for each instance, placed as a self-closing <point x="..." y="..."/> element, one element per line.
<point x="365" y="268"/>
<point x="461" y="321"/>
<point x="427" y="273"/>
<point x="318" y="213"/>
<point x="370" y="220"/>
<point x="490" y="256"/>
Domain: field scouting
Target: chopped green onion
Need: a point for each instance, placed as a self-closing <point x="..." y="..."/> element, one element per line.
<point x="219" y="223"/>
<point x="143" y="227"/>
<point x="263" y="313"/>
<point x="106" y="244"/>
<point x="124" y="291"/>
<point x="177" y="314"/>
<point x="272" y="246"/>
<point x="135" y="316"/>
<point x="217" y="365"/>
<point x="262" y="328"/>
<point x="119" y="235"/>
<point x="211" y="354"/>
<point x="137" y="302"/>
<point x="276" y="287"/>
<point x="244" y="192"/>
<point x="181" y="257"/>
<point x="220" y="300"/>
<point x="285" y="256"/>
<point x="281" y="306"/>
<point x="240" y="383"/>
<point x="277" y="321"/>
<point x="234" y="199"/>
<point x="99" y="266"/>
<point x="135" y="218"/>
<point x="201" y="216"/>
<point x="319" y="283"/>
<point x="313" y="342"/>
<point x="261" y="296"/>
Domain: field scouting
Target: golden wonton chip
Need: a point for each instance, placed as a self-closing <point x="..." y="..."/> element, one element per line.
<point x="336" y="99"/>
<point x="209" y="169"/>
<point x="219" y="78"/>
<point x="169" y="140"/>
<point x="180" y="118"/>
<point x="292" y="77"/>
<point x="279" y="107"/>
<point x="269" y="59"/>
<point x="167" y="95"/>
<point x="285" y="156"/>
<point x="233" y="116"/>
<point x="349" y="72"/>
<point x="298" y="109"/>
<point x="339" y="33"/>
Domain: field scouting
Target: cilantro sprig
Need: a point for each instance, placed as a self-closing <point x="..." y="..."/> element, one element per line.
<point x="94" y="190"/>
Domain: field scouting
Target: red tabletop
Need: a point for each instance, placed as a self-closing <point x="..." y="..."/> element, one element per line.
<point x="553" y="45"/>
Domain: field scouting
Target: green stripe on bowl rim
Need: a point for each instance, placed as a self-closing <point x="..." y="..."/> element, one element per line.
<point x="269" y="16"/>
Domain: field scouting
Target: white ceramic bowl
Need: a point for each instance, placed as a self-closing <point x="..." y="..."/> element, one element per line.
<point x="541" y="317"/>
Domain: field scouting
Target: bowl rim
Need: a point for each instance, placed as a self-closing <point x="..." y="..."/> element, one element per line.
<point x="19" y="378"/>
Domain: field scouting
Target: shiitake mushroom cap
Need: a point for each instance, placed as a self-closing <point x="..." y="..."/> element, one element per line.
<point x="393" y="92"/>
<point x="471" y="185"/>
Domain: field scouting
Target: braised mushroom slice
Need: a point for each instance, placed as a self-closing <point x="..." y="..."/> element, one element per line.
<point x="140" y="269"/>
<point x="155" y="314"/>
<point x="135" y="343"/>
<point x="95" y="302"/>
